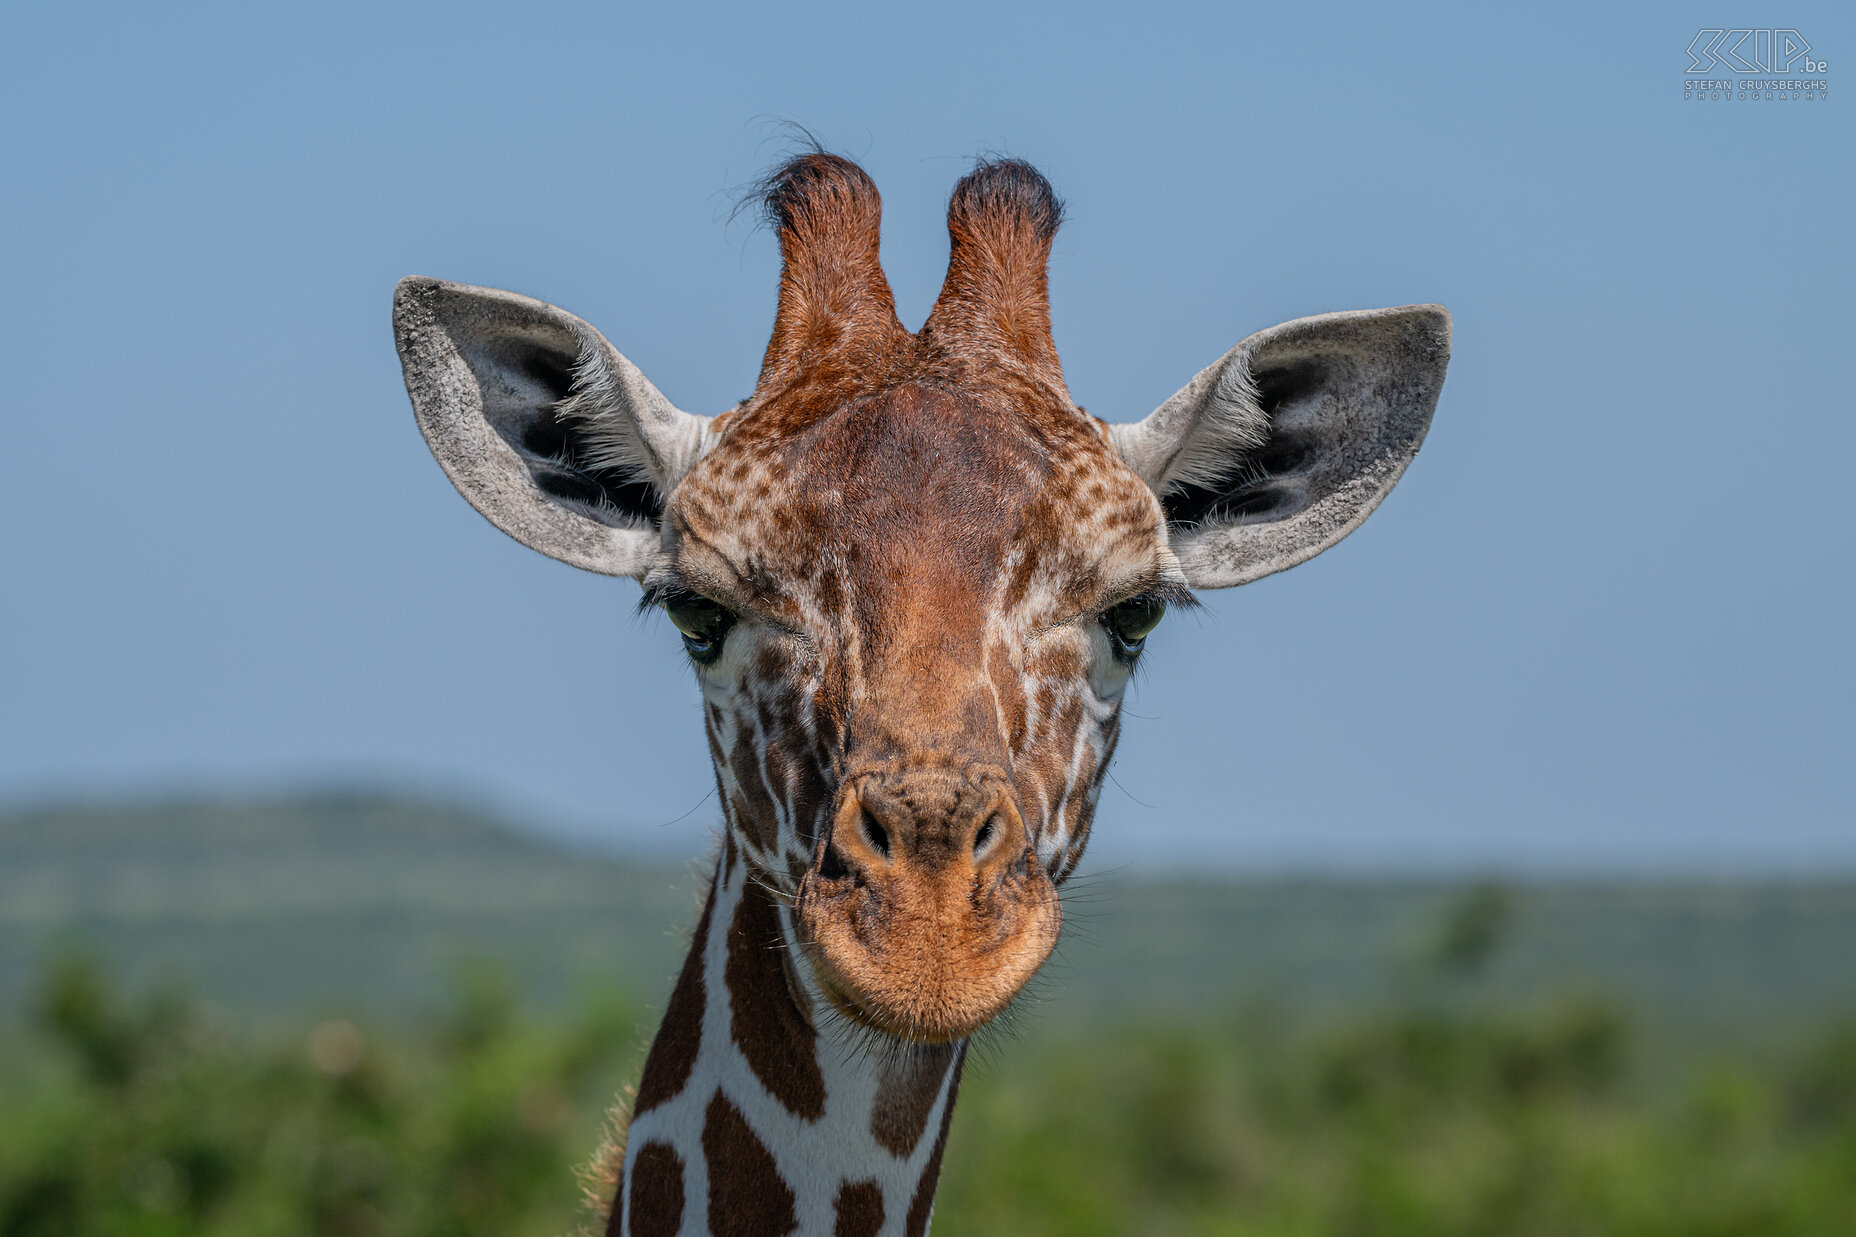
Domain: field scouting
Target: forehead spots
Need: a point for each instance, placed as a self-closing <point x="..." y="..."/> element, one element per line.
<point x="917" y="494"/>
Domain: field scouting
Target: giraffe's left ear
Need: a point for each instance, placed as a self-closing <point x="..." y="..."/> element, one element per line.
<point x="1287" y="443"/>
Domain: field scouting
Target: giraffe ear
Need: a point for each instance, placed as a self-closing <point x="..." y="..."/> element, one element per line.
<point x="1287" y="443"/>
<point x="539" y="422"/>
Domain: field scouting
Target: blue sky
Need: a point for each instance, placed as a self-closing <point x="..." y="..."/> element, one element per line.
<point x="1603" y="623"/>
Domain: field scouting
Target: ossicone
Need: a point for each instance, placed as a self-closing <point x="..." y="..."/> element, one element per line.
<point x="995" y="302"/>
<point x="835" y="303"/>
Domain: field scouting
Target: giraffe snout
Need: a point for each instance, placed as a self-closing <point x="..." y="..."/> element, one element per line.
<point x="926" y="909"/>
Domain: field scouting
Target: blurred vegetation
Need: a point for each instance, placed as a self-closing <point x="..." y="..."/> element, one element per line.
<point x="158" y="1119"/>
<point x="1442" y="1114"/>
<point x="1447" y="1110"/>
<point x="1417" y="1123"/>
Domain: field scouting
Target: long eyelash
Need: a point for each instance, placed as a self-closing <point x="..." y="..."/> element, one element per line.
<point x="1175" y="595"/>
<point x="662" y="594"/>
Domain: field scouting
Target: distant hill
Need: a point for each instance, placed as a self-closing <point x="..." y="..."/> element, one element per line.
<point x="327" y="900"/>
<point x="296" y="906"/>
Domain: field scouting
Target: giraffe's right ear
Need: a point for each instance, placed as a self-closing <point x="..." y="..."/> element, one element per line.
<point x="539" y="422"/>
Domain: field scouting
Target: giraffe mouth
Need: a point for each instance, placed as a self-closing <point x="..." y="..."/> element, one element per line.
<point x="854" y="1012"/>
<point x="922" y="964"/>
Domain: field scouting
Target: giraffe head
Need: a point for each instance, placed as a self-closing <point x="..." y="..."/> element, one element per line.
<point x="913" y="577"/>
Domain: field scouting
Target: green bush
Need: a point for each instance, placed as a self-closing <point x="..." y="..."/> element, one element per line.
<point x="159" y="1120"/>
<point x="1437" y="1117"/>
<point x="1419" y="1123"/>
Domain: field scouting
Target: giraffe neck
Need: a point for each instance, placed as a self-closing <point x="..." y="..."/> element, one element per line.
<point x="750" y="1123"/>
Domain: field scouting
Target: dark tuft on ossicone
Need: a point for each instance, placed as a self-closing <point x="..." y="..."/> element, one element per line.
<point x="1001" y="190"/>
<point x="806" y="184"/>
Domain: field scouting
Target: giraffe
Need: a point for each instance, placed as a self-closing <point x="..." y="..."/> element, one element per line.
<point x="912" y="577"/>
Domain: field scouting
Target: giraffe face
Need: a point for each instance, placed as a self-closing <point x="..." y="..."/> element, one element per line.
<point x="915" y="612"/>
<point x="912" y="574"/>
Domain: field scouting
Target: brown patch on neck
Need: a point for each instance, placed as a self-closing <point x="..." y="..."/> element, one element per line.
<point x="657" y="1193"/>
<point x="906" y="1092"/>
<point x="859" y="1208"/>
<point x="836" y="311"/>
<point x="995" y="303"/>
<point x="779" y="1044"/>
<point x="923" y="1204"/>
<point x="747" y="1197"/>
<point x="679" y="1039"/>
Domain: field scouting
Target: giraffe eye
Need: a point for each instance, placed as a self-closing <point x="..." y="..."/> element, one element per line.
<point x="703" y="623"/>
<point x="1129" y="623"/>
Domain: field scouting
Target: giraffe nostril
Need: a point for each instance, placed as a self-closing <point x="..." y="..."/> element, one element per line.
<point x="875" y="834"/>
<point x="984" y="837"/>
<point x="831" y="865"/>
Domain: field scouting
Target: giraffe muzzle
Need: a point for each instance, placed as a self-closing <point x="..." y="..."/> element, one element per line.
<point x="926" y="910"/>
